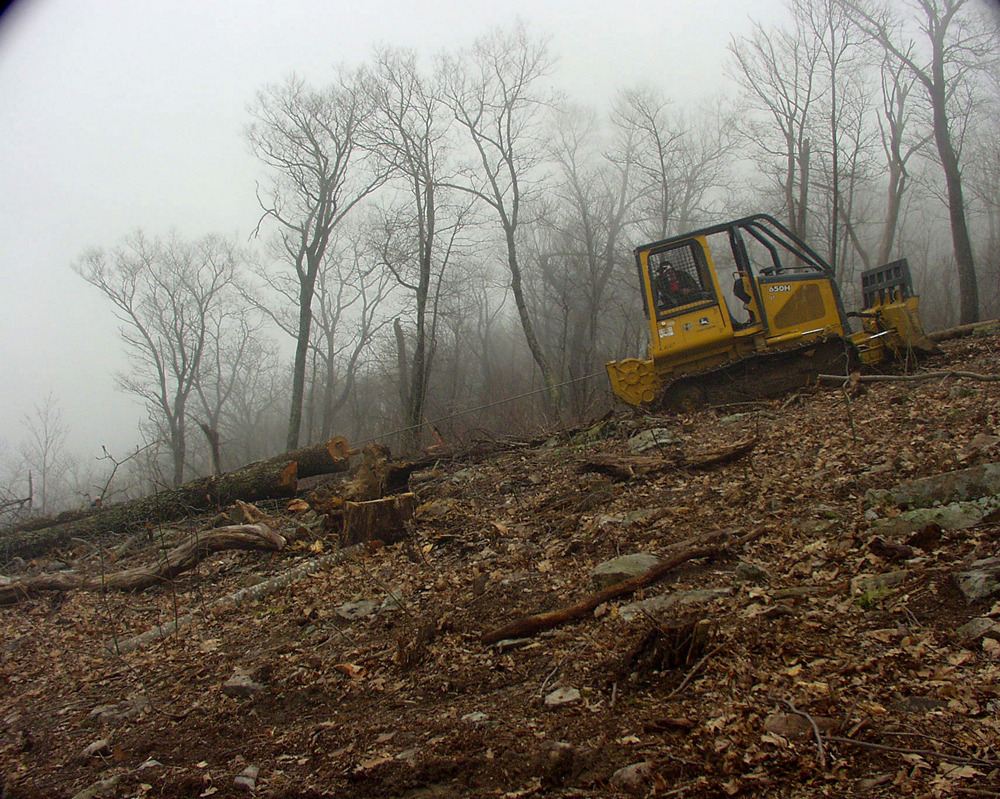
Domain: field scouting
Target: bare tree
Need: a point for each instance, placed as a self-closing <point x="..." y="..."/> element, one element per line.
<point x="311" y="141"/>
<point x="894" y="120"/>
<point x="420" y="231"/>
<point x="165" y="294"/>
<point x="44" y="457"/>
<point x="678" y="159"/>
<point x="350" y="301"/>
<point x="493" y="92"/>
<point x="778" y="71"/>
<point x="347" y="294"/>
<point x="950" y="45"/>
<point x="581" y="252"/>
<point x="233" y="337"/>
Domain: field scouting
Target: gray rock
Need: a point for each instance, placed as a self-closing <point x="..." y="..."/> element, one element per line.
<point x="247" y="779"/>
<point x="562" y="697"/>
<point x="241" y="685"/>
<point x="867" y="584"/>
<point x="393" y="601"/>
<point x="633" y="778"/>
<point x="957" y="516"/>
<point x="475" y="717"/>
<point x="961" y="485"/>
<point x="640" y="516"/>
<point x="99" y="789"/>
<point x="598" y="432"/>
<point x="614" y="571"/>
<point x="981" y="581"/>
<point x="435" y="509"/>
<point x="117" y="713"/>
<point x="97" y="748"/>
<point x="667" y="601"/>
<point x="976" y="628"/>
<point x="357" y="610"/>
<point x="750" y="573"/>
<point x="981" y="442"/>
<point x="462" y="476"/>
<point x="654" y="438"/>
<point x="917" y="704"/>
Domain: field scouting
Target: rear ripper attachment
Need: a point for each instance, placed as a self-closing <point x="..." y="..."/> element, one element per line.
<point x="746" y="310"/>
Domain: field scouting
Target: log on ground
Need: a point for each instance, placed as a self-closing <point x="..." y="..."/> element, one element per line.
<point x="325" y="457"/>
<point x="178" y="560"/>
<point x="266" y="480"/>
<point x="625" y="467"/>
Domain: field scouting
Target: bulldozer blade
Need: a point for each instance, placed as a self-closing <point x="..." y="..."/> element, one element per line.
<point x="633" y="380"/>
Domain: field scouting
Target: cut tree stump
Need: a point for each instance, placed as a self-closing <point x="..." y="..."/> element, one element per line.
<point x="669" y="644"/>
<point x="378" y="519"/>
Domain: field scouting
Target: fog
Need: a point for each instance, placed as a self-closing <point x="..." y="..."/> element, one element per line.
<point x="120" y="115"/>
<point x="463" y="234"/>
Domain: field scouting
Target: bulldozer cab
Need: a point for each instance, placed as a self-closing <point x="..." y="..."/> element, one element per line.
<point x="748" y="294"/>
<point x="751" y="278"/>
<point x="724" y="293"/>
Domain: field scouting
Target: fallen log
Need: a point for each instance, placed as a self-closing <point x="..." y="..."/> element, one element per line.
<point x="270" y="479"/>
<point x="991" y="326"/>
<point x="323" y="458"/>
<point x="539" y="622"/>
<point x="625" y="467"/>
<point x="180" y="559"/>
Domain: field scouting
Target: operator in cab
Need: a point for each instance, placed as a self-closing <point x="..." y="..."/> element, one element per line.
<point x="674" y="287"/>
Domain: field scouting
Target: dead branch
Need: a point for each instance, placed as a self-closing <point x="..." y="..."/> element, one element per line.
<point x="178" y="560"/>
<point x="539" y="622"/>
<point x="191" y="552"/>
<point x="815" y="729"/>
<point x="235" y="600"/>
<point x="965" y="761"/>
<point x="271" y="479"/>
<point x="623" y="467"/>
<point x="919" y="378"/>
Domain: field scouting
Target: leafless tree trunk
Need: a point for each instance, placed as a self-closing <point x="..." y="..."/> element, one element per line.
<point x="310" y="139"/>
<point x="492" y="92"/>
<point x="166" y="295"/>
<point x="44" y="457"/>
<point x="409" y="130"/>
<point x="778" y="70"/>
<point x="952" y="47"/>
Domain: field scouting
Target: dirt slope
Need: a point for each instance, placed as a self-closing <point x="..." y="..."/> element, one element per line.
<point x="405" y="701"/>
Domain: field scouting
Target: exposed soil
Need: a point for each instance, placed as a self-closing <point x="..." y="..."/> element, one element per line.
<point x="407" y="702"/>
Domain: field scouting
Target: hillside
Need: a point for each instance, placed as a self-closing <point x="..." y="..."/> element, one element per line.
<point x="822" y="648"/>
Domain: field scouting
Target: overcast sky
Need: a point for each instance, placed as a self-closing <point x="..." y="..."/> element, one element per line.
<point x="119" y="114"/>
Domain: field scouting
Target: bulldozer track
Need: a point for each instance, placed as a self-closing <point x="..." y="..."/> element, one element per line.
<point x="760" y="377"/>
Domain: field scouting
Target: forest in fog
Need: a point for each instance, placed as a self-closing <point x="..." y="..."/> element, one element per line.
<point x="444" y="246"/>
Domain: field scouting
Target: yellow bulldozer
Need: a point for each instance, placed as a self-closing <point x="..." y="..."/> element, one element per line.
<point x="775" y="327"/>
